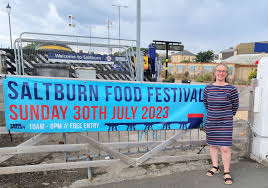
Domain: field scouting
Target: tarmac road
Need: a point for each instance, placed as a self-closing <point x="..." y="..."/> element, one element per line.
<point x="246" y="174"/>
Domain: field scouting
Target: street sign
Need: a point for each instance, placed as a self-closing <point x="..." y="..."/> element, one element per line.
<point x="167" y="45"/>
<point x="176" y="47"/>
<point x="159" y="46"/>
<point x="173" y="47"/>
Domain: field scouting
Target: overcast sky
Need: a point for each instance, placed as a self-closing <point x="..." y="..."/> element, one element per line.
<point x="200" y="25"/>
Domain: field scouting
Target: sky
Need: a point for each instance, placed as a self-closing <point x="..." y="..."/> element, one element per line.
<point x="200" y="25"/>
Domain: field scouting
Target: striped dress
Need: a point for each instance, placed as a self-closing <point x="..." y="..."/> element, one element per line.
<point x="221" y="103"/>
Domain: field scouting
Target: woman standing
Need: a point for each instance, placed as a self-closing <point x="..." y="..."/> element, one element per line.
<point x="221" y="101"/>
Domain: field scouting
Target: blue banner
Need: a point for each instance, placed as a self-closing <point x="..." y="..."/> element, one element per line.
<point x="261" y="47"/>
<point x="70" y="105"/>
<point x="80" y="58"/>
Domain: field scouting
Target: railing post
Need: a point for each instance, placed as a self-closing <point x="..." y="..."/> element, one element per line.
<point x="250" y="121"/>
<point x="89" y="171"/>
<point x="64" y="142"/>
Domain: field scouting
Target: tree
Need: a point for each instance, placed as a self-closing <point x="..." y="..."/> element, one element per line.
<point x="186" y="61"/>
<point x="31" y="46"/>
<point x="203" y="57"/>
<point x="144" y="50"/>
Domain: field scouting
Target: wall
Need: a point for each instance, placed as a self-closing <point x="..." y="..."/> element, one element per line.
<point x="243" y="72"/>
<point x="237" y="72"/>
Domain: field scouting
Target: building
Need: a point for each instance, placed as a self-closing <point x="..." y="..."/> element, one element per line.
<point x="183" y="56"/>
<point x="241" y="61"/>
<point x="243" y="64"/>
<point x="251" y="48"/>
<point x="224" y="54"/>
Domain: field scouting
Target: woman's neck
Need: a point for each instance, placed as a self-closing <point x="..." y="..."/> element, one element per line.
<point x="219" y="83"/>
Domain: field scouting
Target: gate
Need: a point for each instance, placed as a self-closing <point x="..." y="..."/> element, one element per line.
<point x="26" y="56"/>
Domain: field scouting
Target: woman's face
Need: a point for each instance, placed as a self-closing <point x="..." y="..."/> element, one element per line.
<point x="221" y="73"/>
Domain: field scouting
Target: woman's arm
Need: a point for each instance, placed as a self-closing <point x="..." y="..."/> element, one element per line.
<point x="205" y="99"/>
<point x="234" y="100"/>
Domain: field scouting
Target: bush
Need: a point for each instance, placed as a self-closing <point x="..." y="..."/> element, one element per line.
<point x="162" y="74"/>
<point x="186" y="74"/>
<point x="206" y="77"/>
<point x="170" y="78"/>
<point x="179" y="76"/>
<point x="242" y="82"/>
<point x="185" y="78"/>
<point x="186" y="61"/>
<point x="252" y="74"/>
<point x="199" y="78"/>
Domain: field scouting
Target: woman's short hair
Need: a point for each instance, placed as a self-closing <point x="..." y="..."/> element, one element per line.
<point x="223" y="64"/>
<point x="227" y="70"/>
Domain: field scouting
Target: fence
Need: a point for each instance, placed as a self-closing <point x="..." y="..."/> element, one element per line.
<point x="27" y="56"/>
<point x="87" y="150"/>
<point x="131" y="148"/>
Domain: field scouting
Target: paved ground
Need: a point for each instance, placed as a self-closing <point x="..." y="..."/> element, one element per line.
<point x="246" y="174"/>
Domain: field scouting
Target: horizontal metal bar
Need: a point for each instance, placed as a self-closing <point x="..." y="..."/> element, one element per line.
<point x="62" y="35"/>
<point x="74" y="43"/>
<point x="64" y="78"/>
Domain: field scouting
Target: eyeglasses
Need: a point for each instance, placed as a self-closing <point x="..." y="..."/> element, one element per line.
<point x="221" y="71"/>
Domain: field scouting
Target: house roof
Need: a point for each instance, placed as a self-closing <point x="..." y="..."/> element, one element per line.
<point x="227" y="50"/>
<point x="245" y="59"/>
<point x="185" y="52"/>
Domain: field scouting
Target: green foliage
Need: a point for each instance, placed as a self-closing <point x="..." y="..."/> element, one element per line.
<point x="116" y="53"/>
<point x="204" y="77"/>
<point x="205" y="57"/>
<point x="179" y="76"/>
<point x="186" y="61"/>
<point x="31" y="46"/>
<point x="144" y="50"/>
<point x="252" y="74"/>
<point x="242" y="82"/>
<point x="186" y="74"/>
<point x="170" y="78"/>
<point x="162" y="73"/>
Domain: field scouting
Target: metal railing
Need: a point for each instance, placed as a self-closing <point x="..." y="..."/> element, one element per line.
<point x="26" y="59"/>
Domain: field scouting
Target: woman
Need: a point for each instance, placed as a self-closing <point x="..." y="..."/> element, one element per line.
<point x="221" y="101"/>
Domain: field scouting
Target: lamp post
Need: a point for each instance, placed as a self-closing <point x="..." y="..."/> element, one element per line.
<point x="138" y="38"/>
<point x="8" y="12"/>
<point x="119" y="6"/>
<point x="71" y="24"/>
<point x="90" y="31"/>
<point x="71" y="18"/>
<point x="109" y="25"/>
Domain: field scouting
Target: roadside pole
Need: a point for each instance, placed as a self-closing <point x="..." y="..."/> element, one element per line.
<point x="139" y="73"/>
